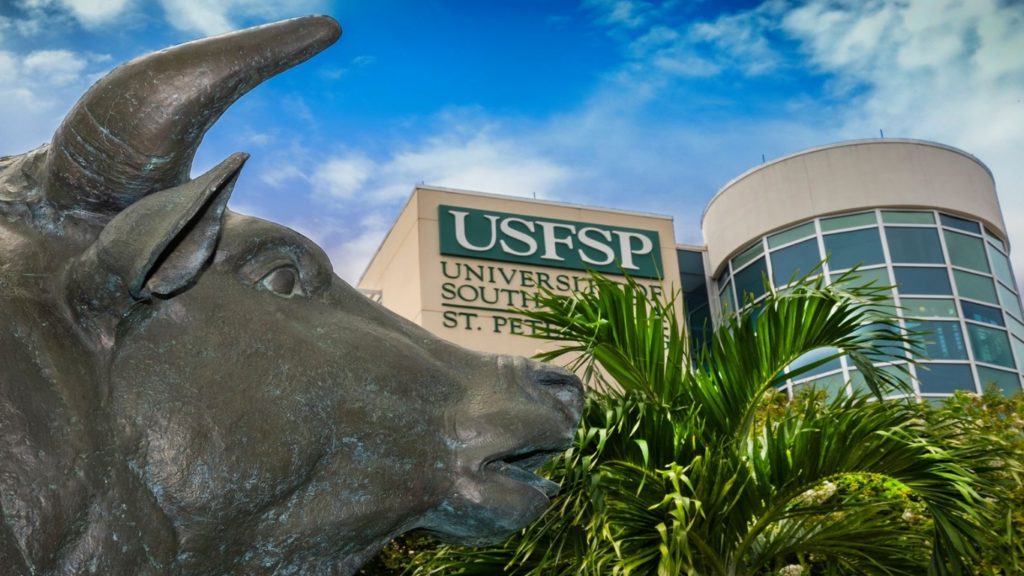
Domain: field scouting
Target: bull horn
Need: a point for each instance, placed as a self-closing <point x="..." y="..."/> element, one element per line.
<point x="136" y="130"/>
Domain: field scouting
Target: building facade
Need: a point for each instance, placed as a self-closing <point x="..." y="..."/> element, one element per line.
<point x="917" y="215"/>
<point x="461" y="263"/>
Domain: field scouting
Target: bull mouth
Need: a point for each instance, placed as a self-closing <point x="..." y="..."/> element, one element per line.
<point x="521" y="466"/>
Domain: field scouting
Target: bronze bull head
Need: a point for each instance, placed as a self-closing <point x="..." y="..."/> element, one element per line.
<point x="186" y="390"/>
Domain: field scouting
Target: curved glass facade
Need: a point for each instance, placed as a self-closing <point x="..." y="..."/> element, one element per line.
<point x="953" y="282"/>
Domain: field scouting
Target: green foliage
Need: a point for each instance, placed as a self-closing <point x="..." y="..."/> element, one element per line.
<point x="994" y="424"/>
<point x="699" y="467"/>
<point x="398" y="556"/>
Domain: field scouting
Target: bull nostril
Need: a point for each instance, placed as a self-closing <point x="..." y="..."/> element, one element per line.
<point x="563" y="385"/>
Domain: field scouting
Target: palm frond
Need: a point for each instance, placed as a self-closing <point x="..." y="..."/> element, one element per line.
<point x="637" y="340"/>
<point x="689" y="465"/>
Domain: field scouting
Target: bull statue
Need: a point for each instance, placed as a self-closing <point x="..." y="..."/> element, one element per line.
<point x="186" y="390"/>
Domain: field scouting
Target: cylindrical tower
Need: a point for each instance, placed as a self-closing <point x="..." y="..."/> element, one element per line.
<point x="921" y="216"/>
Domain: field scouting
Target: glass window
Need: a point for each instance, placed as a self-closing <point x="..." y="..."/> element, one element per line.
<point x="960" y="223"/>
<point x="899" y="371"/>
<point x="1010" y="300"/>
<point x="900" y="217"/>
<point x="833" y="385"/>
<point x="982" y="313"/>
<point x="966" y="251"/>
<point x="1007" y="382"/>
<point x="944" y="378"/>
<point x="798" y="390"/>
<point x="914" y="245"/>
<point x="896" y="370"/>
<point x="696" y="298"/>
<point x="794" y="261"/>
<point x="928" y="307"/>
<point x="922" y="280"/>
<point x="1018" y="350"/>
<point x="1016" y="328"/>
<point x="882" y="337"/>
<point x="874" y="276"/>
<point x="1000" y="265"/>
<point x="850" y="221"/>
<point x="975" y="286"/>
<point x="990" y="345"/>
<point x="691" y="262"/>
<point x="750" y="280"/>
<point x="726" y="299"/>
<point x="747" y="255"/>
<point x="755" y="313"/>
<point x="848" y="249"/>
<point x="994" y="239"/>
<point x="791" y="235"/>
<point x="812" y="357"/>
<point x="887" y="308"/>
<point x="857" y="382"/>
<point x="940" y="340"/>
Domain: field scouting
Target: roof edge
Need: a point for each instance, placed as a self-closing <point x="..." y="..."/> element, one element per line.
<point x="545" y="202"/>
<point x="843" y="144"/>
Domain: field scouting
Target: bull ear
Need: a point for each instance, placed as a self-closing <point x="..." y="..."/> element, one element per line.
<point x="157" y="246"/>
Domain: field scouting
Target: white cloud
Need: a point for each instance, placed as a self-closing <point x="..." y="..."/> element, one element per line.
<point x="8" y="68"/>
<point x="349" y="240"/>
<point x="54" y="67"/>
<point x="953" y="73"/>
<point x="208" y="18"/>
<point x="355" y="198"/>
<point x="742" y="39"/>
<point x="595" y="156"/>
<point x="669" y="51"/>
<point x="363" y="61"/>
<point x="196" y="16"/>
<point x="684" y="64"/>
<point x="41" y="15"/>
<point x="36" y="90"/>
<point x="343" y="176"/>
<point x="475" y="161"/>
<point x="457" y="157"/>
<point x="253" y="138"/>
<point x="279" y="176"/>
<point x="296" y="105"/>
<point x="335" y="72"/>
<point x="664" y="47"/>
<point x="624" y="13"/>
<point x="92" y="13"/>
<point x="353" y="255"/>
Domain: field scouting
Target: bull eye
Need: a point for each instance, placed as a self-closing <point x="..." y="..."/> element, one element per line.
<point x="283" y="281"/>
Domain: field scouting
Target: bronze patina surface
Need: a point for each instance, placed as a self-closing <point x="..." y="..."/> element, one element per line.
<point x="186" y="390"/>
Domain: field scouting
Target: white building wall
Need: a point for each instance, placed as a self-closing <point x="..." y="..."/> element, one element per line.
<point x="845" y="177"/>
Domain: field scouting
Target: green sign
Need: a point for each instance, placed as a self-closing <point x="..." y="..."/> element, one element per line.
<point x="549" y="242"/>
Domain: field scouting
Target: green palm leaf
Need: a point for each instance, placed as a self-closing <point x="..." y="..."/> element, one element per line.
<point x="689" y="464"/>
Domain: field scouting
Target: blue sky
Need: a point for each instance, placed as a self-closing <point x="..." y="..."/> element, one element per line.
<point x="646" y="106"/>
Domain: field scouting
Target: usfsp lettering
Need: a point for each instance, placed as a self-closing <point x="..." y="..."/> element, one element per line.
<point x="548" y="242"/>
<point x="497" y="323"/>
